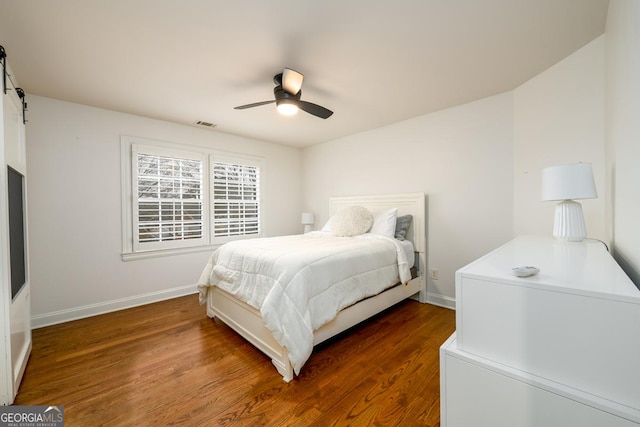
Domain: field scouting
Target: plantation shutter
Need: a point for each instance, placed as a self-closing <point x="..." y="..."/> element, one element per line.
<point x="169" y="192"/>
<point x="236" y="197"/>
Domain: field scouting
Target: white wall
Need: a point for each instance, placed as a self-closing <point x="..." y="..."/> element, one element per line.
<point x="479" y="164"/>
<point x="623" y="131"/>
<point x="558" y="119"/>
<point x="462" y="158"/>
<point x="73" y="154"/>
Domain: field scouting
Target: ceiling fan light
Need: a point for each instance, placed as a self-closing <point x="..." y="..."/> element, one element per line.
<point x="287" y="108"/>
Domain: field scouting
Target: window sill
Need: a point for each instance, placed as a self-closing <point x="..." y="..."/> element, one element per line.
<point x="135" y="256"/>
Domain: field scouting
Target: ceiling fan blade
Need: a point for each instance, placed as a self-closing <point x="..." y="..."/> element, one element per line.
<point x="291" y="81"/>
<point x="255" y="104"/>
<point x="315" y="109"/>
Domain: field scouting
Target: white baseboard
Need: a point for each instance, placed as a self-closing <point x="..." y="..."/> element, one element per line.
<point x="441" y="300"/>
<point x="55" y="317"/>
<point x="48" y="319"/>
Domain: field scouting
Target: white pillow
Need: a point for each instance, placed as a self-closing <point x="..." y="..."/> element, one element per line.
<point x="384" y="222"/>
<point x="327" y="225"/>
<point x="351" y="221"/>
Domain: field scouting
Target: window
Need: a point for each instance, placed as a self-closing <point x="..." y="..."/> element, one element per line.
<point x="168" y="194"/>
<point x="235" y="198"/>
<point x="181" y="197"/>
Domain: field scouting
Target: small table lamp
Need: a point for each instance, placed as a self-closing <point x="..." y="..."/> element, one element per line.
<point x="307" y="221"/>
<point x="567" y="183"/>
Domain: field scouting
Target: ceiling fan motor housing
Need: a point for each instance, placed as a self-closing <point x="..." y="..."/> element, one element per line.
<point x="280" y="93"/>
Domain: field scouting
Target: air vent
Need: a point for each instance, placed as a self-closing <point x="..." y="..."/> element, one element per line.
<point x="204" y="124"/>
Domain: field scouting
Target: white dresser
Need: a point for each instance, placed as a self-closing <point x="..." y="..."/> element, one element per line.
<point x="561" y="348"/>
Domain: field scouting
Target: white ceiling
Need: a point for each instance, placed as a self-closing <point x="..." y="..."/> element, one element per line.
<point x="372" y="62"/>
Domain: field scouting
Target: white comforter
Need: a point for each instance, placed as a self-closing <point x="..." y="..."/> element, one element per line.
<point x="301" y="282"/>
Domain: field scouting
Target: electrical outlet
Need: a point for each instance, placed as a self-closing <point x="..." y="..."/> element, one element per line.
<point x="434" y="274"/>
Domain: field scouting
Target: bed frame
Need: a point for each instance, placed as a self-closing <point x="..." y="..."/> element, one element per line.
<point x="247" y="321"/>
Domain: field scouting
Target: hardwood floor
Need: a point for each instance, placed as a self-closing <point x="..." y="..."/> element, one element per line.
<point x="169" y="364"/>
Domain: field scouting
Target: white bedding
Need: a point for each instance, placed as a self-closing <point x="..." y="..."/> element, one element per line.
<point x="301" y="282"/>
<point x="408" y="248"/>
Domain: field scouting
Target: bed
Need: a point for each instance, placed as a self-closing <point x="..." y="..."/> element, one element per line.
<point x="253" y="318"/>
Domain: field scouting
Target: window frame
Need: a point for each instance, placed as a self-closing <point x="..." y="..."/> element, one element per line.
<point x="131" y="248"/>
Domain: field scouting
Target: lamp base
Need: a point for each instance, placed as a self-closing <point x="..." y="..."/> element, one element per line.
<point x="568" y="224"/>
<point x="307" y="228"/>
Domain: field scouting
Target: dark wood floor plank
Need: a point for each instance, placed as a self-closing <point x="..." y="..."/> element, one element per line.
<point x="168" y="364"/>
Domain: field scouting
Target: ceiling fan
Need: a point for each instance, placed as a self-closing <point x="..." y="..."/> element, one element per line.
<point x="287" y="96"/>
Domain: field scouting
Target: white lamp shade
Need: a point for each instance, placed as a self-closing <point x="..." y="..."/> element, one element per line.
<point x="568" y="182"/>
<point x="307" y="218"/>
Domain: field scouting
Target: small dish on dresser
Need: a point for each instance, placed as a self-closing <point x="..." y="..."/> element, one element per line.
<point x="525" y="271"/>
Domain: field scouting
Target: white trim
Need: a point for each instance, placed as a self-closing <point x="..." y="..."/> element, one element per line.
<point x="126" y="194"/>
<point x="134" y="256"/>
<point x="53" y="318"/>
<point x="441" y="300"/>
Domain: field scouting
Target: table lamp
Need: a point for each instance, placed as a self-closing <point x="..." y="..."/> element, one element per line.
<point x="568" y="183"/>
<point x="307" y="221"/>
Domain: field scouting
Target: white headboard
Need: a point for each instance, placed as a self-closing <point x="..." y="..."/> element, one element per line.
<point x="407" y="203"/>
